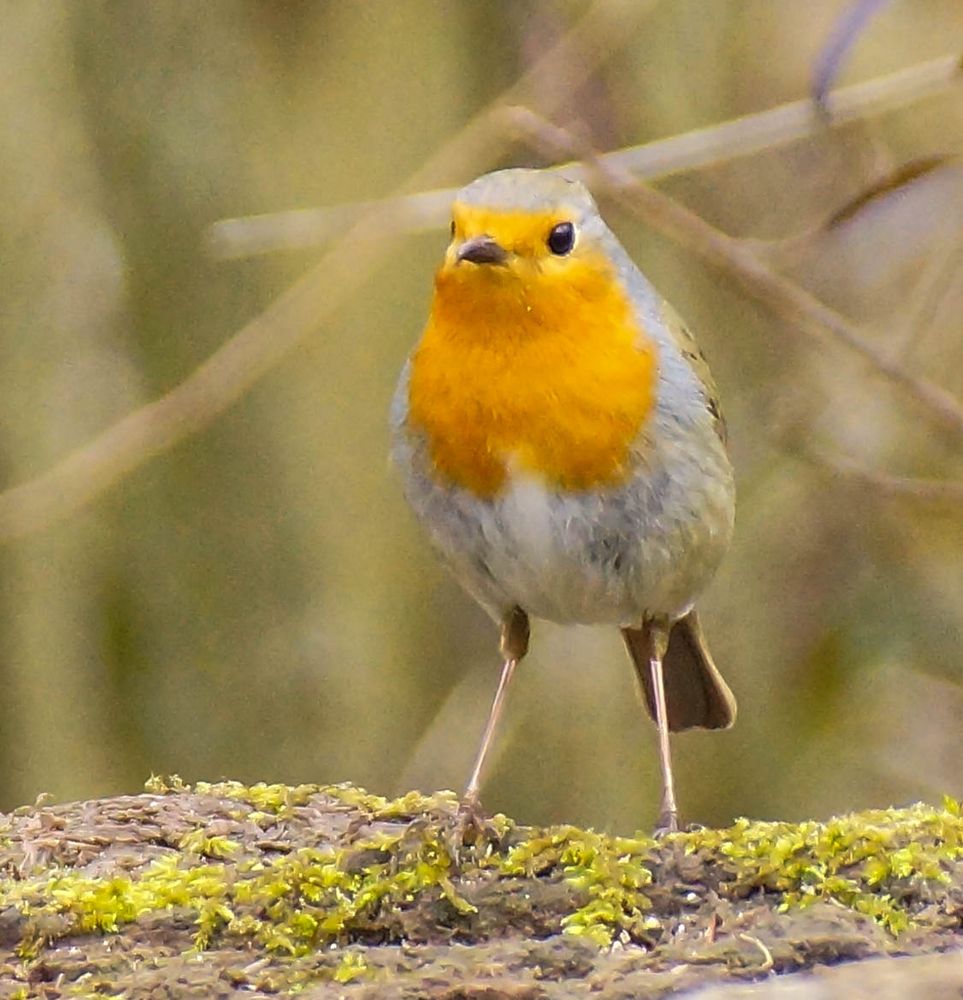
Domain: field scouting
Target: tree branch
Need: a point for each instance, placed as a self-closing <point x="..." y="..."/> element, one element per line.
<point x="738" y="261"/>
<point x="925" y="490"/>
<point x="306" y="305"/>
<point x="256" y="234"/>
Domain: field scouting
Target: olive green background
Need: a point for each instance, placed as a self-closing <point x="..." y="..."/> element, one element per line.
<point x="258" y="603"/>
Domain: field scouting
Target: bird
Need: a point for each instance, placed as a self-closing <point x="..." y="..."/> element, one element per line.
<point x="559" y="437"/>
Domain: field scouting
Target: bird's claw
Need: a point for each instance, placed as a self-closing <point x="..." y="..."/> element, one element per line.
<point x="473" y="829"/>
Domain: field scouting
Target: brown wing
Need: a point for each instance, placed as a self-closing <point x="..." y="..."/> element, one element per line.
<point x="690" y="350"/>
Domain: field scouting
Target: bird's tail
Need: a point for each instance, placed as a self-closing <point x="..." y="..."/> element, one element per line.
<point x="695" y="693"/>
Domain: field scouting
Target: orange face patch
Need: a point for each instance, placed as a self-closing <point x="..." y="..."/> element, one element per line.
<point x="537" y="364"/>
<point x="521" y="233"/>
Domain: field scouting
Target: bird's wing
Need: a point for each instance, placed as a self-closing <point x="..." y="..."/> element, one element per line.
<point x="689" y="349"/>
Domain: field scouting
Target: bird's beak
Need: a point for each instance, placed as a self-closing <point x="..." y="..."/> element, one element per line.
<point x="481" y="250"/>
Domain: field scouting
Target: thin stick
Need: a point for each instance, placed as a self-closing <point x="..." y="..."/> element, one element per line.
<point x="842" y="38"/>
<point x="306" y="305"/>
<point x="934" y="491"/>
<point x="797" y="120"/>
<point x="737" y="260"/>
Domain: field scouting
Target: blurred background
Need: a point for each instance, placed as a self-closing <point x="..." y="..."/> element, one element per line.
<point x="258" y="603"/>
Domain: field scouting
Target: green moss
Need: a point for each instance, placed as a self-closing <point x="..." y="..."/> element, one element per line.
<point x="869" y="862"/>
<point x="351" y="967"/>
<point x="292" y="904"/>
<point x="272" y="799"/>
<point x="277" y="799"/>
<point x="612" y="872"/>
<point x="197" y="842"/>
<point x="159" y="784"/>
<point x="877" y="863"/>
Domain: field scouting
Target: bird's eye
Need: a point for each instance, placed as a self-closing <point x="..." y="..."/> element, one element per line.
<point x="561" y="239"/>
<point x="451" y="228"/>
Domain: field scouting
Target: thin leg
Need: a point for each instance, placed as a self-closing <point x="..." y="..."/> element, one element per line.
<point x="470" y="798"/>
<point x="514" y="645"/>
<point x="658" y="637"/>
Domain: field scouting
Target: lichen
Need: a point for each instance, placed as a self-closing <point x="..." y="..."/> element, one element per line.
<point x="880" y="863"/>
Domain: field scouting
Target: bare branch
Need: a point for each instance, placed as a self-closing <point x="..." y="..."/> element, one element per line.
<point x="740" y="262"/>
<point x="305" y="306"/>
<point x="256" y="234"/>
<point x="845" y="33"/>
<point x="926" y="490"/>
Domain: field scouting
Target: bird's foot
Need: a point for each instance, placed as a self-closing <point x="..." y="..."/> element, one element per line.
<point x="668" y="823"/>
<point x="473" y="830"/>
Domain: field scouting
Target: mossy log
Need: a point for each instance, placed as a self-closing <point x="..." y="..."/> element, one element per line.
<point x="225" y="890"/>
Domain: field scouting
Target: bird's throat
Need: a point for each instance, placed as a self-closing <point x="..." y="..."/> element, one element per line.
<point x="553" y="378"/>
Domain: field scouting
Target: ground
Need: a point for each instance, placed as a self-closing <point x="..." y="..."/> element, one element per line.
<point x="225" y="890"/>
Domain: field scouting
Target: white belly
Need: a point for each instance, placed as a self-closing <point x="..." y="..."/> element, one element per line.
<point x="540" y="548"/>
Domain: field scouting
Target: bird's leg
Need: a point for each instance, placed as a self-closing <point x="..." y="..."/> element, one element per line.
<point x="657" y="636"/>
<point x="514" y="645"/>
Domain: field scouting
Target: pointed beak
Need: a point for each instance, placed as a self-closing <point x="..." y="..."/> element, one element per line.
<point x="481" y="250"/>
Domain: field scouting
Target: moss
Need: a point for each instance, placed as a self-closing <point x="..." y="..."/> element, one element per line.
<point x="197" y="842"/>
<point x="611" y="872"/>
<point x="351" y="967"/>
<point x="879" y="863"/>
<point x="292" y="904"/>
<point x="870" y="862"/>
<point x="277" y="799"/>
<point x="159" y="784"/>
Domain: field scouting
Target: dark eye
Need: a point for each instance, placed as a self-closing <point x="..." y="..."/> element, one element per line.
<point x="561" y="239"/>
<point x="452" y="228"/>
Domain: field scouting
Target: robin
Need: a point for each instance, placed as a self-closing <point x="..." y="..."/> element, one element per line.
<point x="560" y="439"/>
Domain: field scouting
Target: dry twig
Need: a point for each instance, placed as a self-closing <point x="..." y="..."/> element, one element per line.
<point x="256" y="234"/>
<point x="739" y="261"/>
<point x="844" y="35"/>
<point x="925" y="490"/>
<point x="375" y="232"/>
<point x="306" y="305"/>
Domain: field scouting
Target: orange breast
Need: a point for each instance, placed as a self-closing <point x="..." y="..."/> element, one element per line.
<point x="529" y="372"/>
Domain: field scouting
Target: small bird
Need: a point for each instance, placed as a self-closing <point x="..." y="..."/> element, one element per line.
<point x="560" y="439"/>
